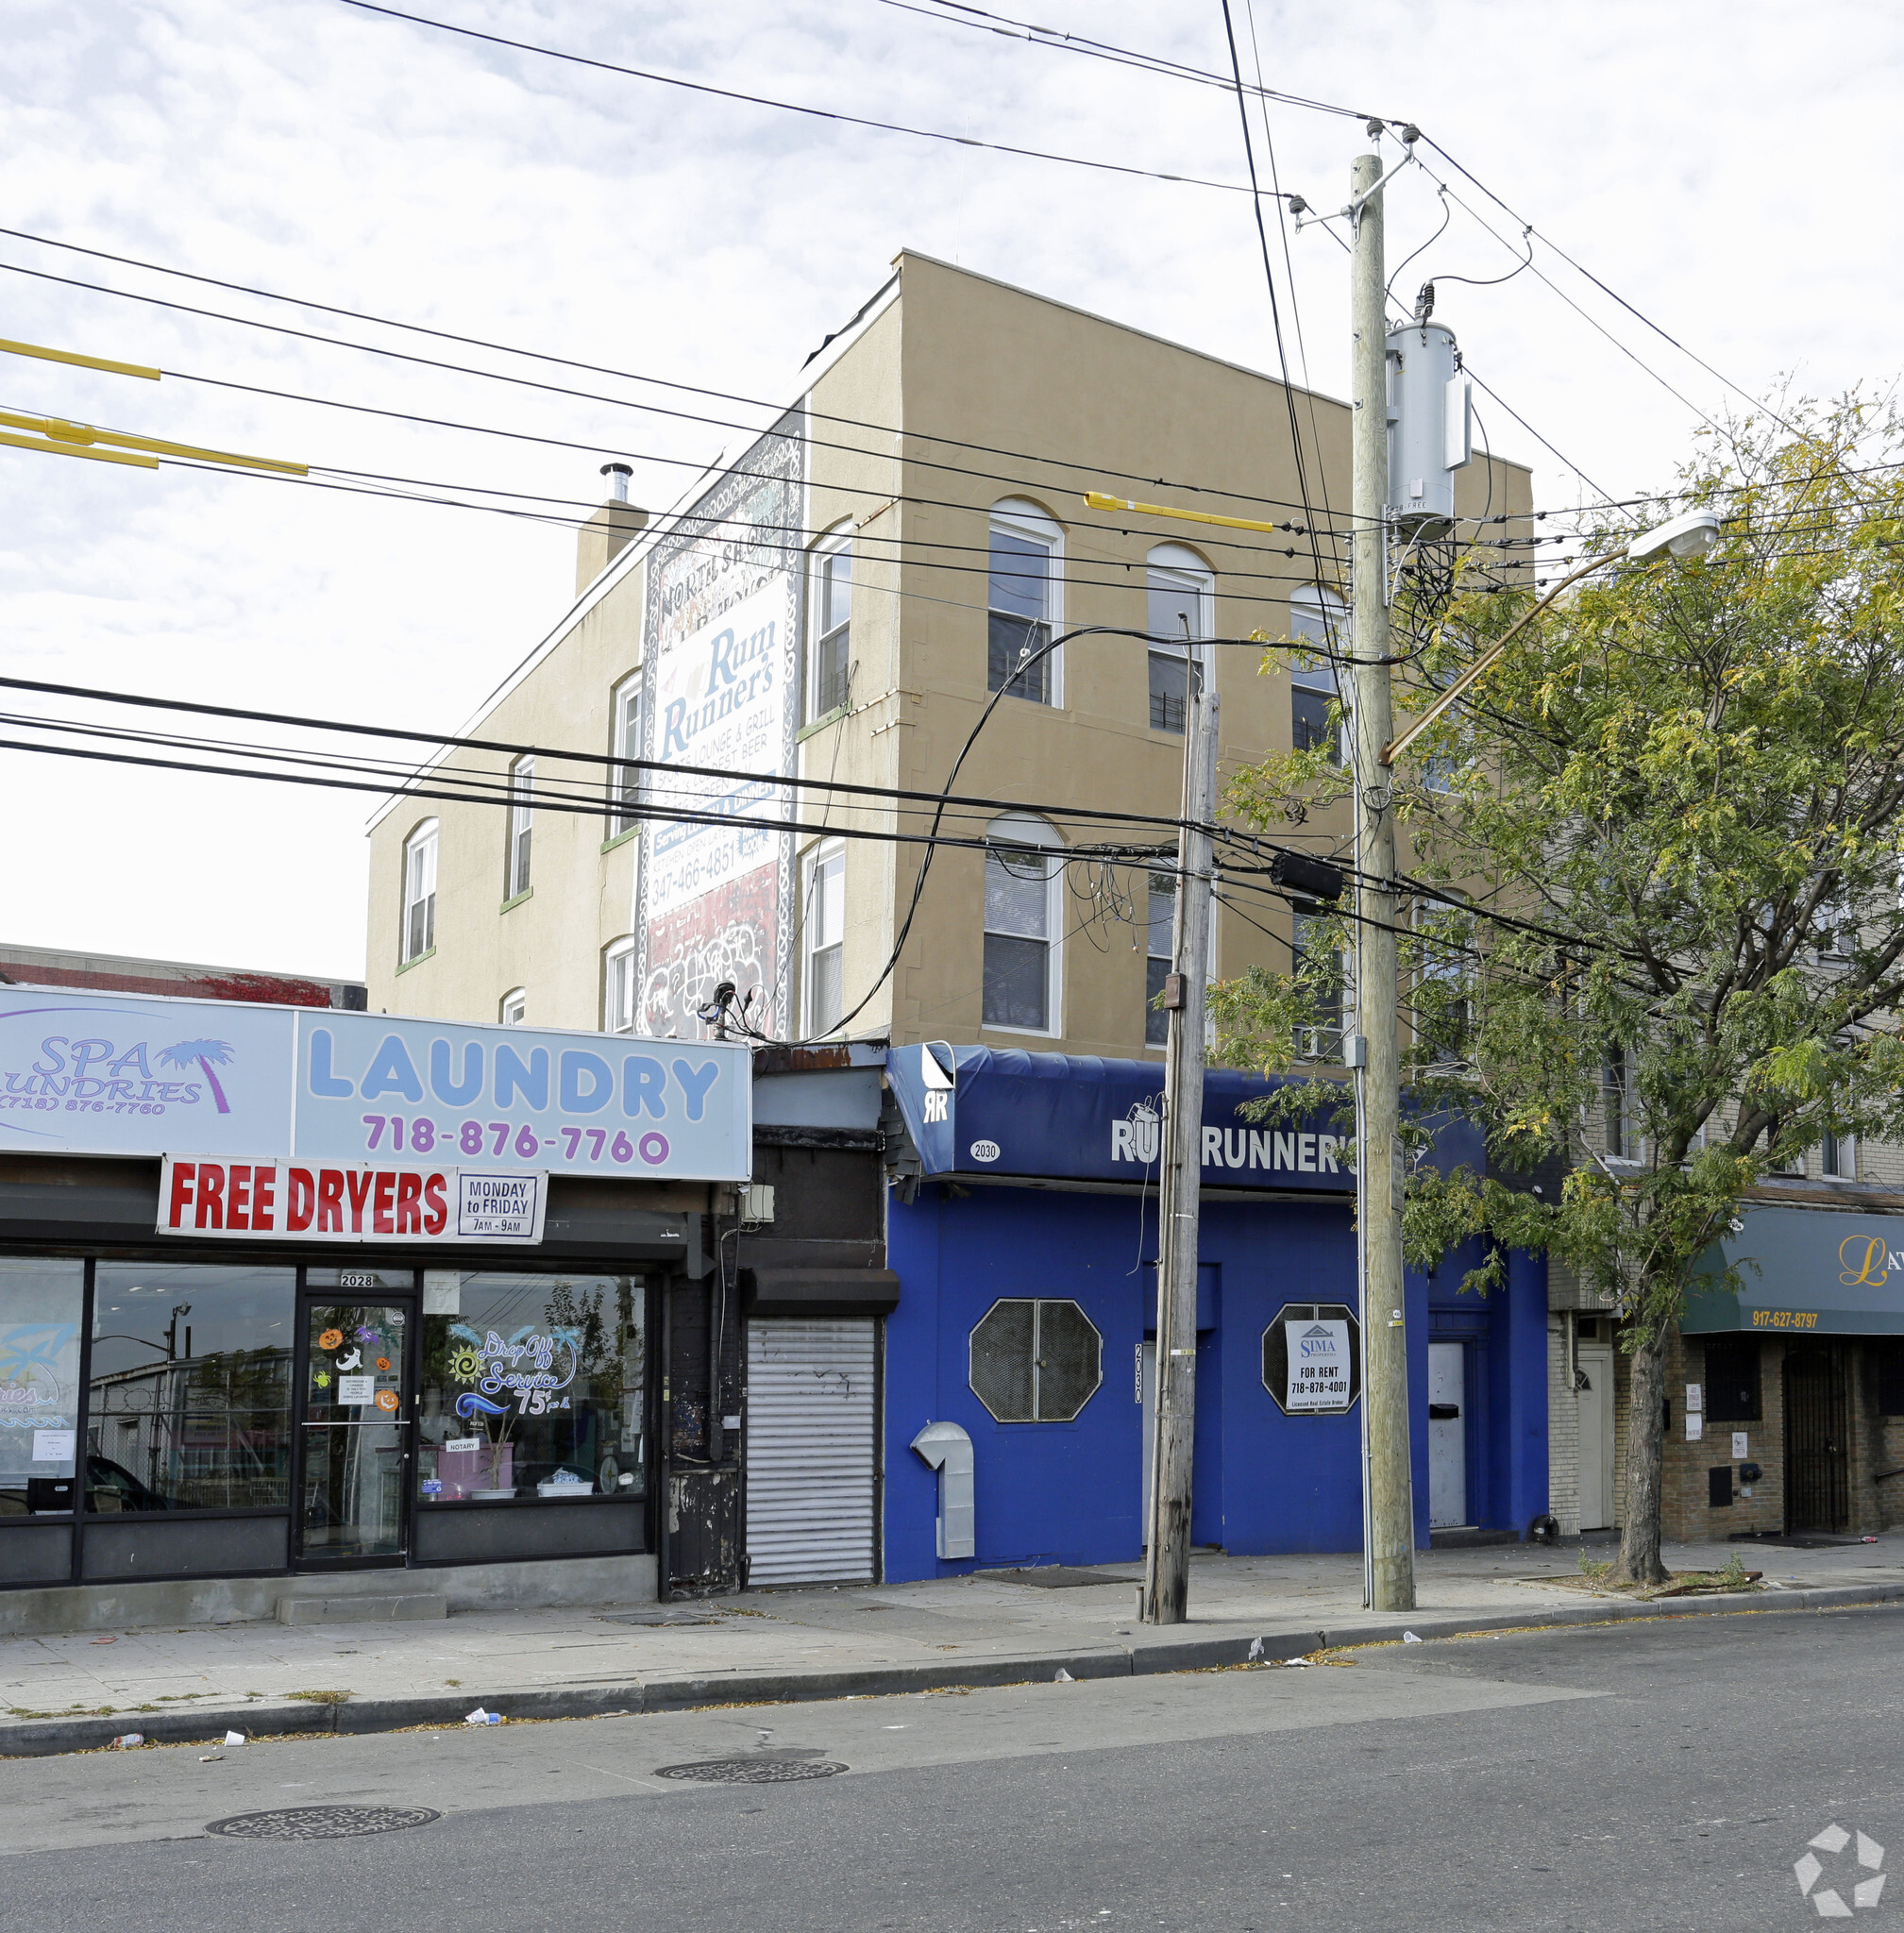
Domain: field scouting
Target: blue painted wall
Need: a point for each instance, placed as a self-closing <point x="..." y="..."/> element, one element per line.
<point x="1071" y="1493"/>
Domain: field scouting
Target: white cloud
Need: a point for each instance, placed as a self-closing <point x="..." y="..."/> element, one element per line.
<point x="1729" y="180"/>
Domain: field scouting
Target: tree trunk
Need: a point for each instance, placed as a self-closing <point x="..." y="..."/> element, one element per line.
<point x="1645" y="1454"/>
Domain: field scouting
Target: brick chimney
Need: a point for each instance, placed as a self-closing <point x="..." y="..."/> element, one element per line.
<point x="609" y="531"/>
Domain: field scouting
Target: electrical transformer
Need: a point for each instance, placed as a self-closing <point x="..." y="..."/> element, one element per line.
<point x="1430" y="423"/>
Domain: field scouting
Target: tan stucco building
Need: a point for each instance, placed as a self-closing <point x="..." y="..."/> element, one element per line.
<point x="915" y="520"/>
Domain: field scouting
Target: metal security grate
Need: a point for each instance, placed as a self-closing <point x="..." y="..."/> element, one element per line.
<point x="1817" y="1487"/>
<point x="322" y="1822"/>
<point x="751" y="1771"/>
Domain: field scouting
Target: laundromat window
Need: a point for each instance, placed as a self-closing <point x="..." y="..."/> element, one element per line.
<point x="532" y="1388"/>
<point x="1036" y="1361"/>
<point x="41" y="1304"/>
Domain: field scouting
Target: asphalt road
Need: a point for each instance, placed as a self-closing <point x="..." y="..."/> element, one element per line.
<point x="1634" y="1776"/>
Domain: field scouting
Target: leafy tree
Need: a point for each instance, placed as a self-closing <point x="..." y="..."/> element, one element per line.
<point x="1654" y="929"/>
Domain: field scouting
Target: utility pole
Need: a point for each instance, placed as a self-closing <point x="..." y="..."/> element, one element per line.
<point x="1390" y="1501"/>
<point x="1167" y="1560"/>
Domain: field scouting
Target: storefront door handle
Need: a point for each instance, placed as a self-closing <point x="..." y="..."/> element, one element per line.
<point x="1443" y="1412"/>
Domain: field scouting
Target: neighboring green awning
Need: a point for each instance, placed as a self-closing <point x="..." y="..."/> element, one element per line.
<point x="1805" y="1271"/>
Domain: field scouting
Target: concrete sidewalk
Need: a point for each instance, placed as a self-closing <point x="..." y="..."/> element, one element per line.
<point x="66" y="1694"/>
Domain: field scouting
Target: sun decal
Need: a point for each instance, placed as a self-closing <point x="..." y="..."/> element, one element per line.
<point x="466" y="1362"/>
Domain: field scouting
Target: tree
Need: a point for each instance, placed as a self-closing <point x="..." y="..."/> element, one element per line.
<point x="1656" y="937"/>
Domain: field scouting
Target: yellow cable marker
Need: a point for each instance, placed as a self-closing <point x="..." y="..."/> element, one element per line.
<point x="1096" y="500"/>
<point x="65" y="435"/>
<point x="79" y="361"/>
<point x="63" y="449"/>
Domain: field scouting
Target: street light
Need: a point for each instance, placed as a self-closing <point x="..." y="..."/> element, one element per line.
<point x="1691" y="535"/>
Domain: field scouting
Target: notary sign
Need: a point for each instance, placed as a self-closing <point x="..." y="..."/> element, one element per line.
<point x="202" y="1196"/>
<point x="1319" y="1364"/>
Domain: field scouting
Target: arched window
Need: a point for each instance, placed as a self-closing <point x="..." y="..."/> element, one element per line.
<point x="830" y="624"/>
<point x="1023" y="603"/>
<point x="1321" y="616"/>
<point x="1023" y="924"/>
<point x="419" y="892"/>
<point x="521" y="824"/>
<point x="1181" y="596"/>
<point x="513" y="1009"/>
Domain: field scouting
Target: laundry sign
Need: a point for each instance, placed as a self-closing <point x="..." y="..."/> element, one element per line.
<point x="1319" y="1364"/>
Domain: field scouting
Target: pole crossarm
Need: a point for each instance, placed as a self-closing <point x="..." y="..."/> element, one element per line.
<point x="65" y="449"/>
<point x="1096" y="500"/>
<point x="78" y="361"/>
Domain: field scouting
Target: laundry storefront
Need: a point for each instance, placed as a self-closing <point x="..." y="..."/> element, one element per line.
<point x="294" y="1299"/>
<point x="1019" y="1361"/>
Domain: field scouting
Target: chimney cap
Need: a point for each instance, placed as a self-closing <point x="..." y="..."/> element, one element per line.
<point x="617" y="475"/>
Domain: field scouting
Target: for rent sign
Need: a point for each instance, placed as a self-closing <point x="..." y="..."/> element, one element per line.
<point x="289" y="1201"/>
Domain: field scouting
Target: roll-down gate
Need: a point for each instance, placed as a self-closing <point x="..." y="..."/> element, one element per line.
<point x="812" y="1449"/>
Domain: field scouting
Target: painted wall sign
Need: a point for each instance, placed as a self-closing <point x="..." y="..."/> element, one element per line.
<point x="722" y="688"/>
<point x="93" y="1074"/>
<point x="292" y="1201"/>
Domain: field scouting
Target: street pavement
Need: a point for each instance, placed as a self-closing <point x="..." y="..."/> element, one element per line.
<point x="1656" y="1773"/>
<point x="60" y="1692"/>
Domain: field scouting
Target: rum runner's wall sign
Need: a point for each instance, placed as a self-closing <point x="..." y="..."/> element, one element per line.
<point x="203" y="1196"/>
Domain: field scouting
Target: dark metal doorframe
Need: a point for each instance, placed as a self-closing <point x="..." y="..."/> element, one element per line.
<point x="1817" y="1439"/>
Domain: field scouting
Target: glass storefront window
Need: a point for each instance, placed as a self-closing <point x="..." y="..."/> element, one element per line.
<point x="42" y="1306"/>
<point x="189" y="1402"/>
<point x="533" y="1386"/>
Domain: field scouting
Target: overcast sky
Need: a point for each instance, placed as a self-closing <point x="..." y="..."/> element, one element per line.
<point x="1727" y="172"/>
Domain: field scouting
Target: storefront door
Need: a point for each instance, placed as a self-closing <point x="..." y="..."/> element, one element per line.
<point x="1447" y="1434"/>
<point x="1817" y="1487"/>
<point x="354" y="1427"/>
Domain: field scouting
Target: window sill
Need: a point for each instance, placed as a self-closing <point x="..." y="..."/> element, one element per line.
<point x="619" y="839"/>
<point x="1023" y="1032"/>
<point x="510" y="905"/>
<point x="819" y="724"/>
<point x="428" y="955"/>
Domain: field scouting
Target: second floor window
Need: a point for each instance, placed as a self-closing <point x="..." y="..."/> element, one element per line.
<point x="617" y="988"/>
<point x="512" y="1009"/>
<point x="1838" y="1156"/>
<point x="1022" y="878"/>
<point x="419" y="891"/>
<point x="1318" y="616"/>
<point x="825" y="927"/>
<point x="521" y="824"/>
<point x="830" y="659"/>
<point x="1159" y="953"/>
<point x="1314" y="947"/>
<point x="1021" y="604"/>
<point x="624" y="782"/>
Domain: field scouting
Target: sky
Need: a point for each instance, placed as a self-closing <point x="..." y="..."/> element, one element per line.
<point x="1725" y="175"/>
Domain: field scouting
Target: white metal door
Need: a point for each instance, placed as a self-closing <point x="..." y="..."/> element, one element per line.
<point x="1597" y="1437"/>
<point x="812" y="1449"/>
<point x="1447" y="1434"/>
<point x="1147" y="1395"/>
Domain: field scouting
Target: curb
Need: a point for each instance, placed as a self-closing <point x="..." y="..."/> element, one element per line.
<point x="40" y="1737"/>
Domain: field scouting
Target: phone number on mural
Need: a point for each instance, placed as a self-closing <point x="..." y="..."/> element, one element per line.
<point x="418" y="1134"/>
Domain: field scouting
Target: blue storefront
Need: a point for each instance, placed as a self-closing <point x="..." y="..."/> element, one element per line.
<point x="1025" y="1252"/>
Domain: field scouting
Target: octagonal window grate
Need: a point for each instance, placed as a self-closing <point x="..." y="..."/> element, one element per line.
<point x="1034" y="1361"/>
<point x="322" y="1822"/>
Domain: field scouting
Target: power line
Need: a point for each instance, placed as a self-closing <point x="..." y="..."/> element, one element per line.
<point x="791" y="107"/>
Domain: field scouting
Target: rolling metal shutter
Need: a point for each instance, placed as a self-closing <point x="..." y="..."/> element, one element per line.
<point x="812" y="1447"/>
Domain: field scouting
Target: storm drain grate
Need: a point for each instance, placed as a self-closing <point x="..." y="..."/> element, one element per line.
<point x="750" y="1772"/>
<point x="322" y="1822"/>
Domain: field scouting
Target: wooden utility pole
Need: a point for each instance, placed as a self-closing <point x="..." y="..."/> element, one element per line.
<point x="1390" y="1491"/>
<point x="1167" y="1557"/>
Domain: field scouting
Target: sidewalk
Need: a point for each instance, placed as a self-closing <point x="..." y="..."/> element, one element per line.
<point x="66" y="1694"/>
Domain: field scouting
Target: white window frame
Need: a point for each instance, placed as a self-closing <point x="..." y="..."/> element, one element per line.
<point x="1180" y="568"/>
<point x="1020" y="831"/>
<point x="513" y="1008"/>
<point x="820" y="862"/>
<point x="518" y="854"/>
<point x="833" y="543"/>
<point x="420" y="853"/>
<point x="618" y="1001"/>
<point x="1837" y="1157"/>
<point x="1324" y="1043"/>
<point x="624" y="786"/>
<point x="1018" y="516"/>
<point x="1158" y="887"/>
<point x="1314" y="605"/>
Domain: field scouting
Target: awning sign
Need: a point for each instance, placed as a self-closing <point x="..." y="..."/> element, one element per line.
<point x="1319" y="1364"/>
<point x="289" y="1201"/>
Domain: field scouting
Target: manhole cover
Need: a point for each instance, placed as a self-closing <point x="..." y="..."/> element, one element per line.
<point x="750" y="1772"/>
<point x="322" y="1822"/>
